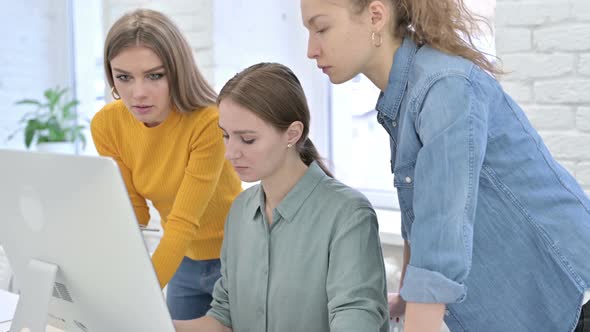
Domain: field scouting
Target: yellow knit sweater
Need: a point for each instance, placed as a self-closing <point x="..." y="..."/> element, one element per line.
<point x="179" y="166"/>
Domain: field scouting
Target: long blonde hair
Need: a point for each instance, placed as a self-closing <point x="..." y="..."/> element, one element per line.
<point x="446" y="25"/>
<point x="189" y="90"/>
<point x="274" y="94"/>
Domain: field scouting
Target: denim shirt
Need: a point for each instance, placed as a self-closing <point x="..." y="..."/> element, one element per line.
<point x="498" y="230"/>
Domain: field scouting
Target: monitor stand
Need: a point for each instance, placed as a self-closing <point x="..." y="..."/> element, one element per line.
<point x="36" y="292"/>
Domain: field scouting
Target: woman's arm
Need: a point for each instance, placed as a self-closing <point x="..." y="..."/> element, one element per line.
<point x="424" y="317"/>
<point x="452" y="126"/>
<point x="201" y="177"/>
<point x="105" y="144"/>
<point x="406" y="261"/>
<point x="355" y="285"/>
<point x="397" y="305"/>
<point x="218" y="318"/>
<point x="203" y="324"/>
<point x="419" y="317"/>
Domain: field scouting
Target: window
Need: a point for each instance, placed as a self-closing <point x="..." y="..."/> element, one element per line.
<point x="89" y="73"/>
<point x="360" y="150"/>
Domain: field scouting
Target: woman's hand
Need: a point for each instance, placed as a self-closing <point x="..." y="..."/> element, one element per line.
<point x="205" y="323"/>
<point x="397" y="305"/>
<point x="182" y="326"/>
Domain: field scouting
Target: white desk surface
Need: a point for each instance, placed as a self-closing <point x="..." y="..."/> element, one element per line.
<point x="5" y="327"/>
<point x="7" y="306"/>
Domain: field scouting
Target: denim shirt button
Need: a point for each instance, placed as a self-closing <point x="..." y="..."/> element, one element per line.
<point x="408" y="179"/>
<point x="394" y="124"/>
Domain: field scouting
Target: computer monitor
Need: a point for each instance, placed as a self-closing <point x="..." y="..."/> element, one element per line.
<point x="71" y="236"/>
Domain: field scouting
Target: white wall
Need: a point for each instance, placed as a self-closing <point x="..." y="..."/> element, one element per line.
<point x="194" y="18"/>
<point x="545" y="46"/>
<point x="34" y="56"/>
<point x="89" y="69"/>
<point x="271" y="31"/>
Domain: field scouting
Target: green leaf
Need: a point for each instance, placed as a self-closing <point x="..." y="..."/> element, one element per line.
<point x="82" y="139"/>
<point x="27" y="116"/>
<point x="49" y="95"/>
<point x="28" y="102"/>
<point x="54" y="120"/>
<point x="67" y="108"/>
<point x="30" y="130"/>
<point x="56" y="132"/>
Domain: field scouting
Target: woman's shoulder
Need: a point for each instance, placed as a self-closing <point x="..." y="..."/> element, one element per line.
<point x="451" y="73"/>
<point x="204" y="114"/>
<point x="109" y="114"/>
<point x="112" y="109"/>
<point x="250" y="193"/>
<point x="246" y="202"/>
<point x="430" y="61"/>
<point x="431" y="66"/>
<point x="337" y="195"/>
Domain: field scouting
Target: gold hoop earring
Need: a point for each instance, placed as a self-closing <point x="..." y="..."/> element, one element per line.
<point x="115" y="94"/>
<point x="373" y="39"/>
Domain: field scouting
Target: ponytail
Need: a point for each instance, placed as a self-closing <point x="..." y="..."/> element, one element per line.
<point x="446" y="25"/>
<point x="309" y="154"/>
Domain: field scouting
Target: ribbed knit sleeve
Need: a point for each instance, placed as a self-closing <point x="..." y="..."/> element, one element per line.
<point x="178" y="166"/>
<point x="107" y="142"/>
<point x="201" y="176"/>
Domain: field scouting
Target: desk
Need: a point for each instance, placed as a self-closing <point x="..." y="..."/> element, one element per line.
<point x="7" y="306"/>
<point x="4" y="327"/>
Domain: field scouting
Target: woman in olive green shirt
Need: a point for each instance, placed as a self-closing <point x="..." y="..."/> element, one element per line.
<point x="301" y="250"/>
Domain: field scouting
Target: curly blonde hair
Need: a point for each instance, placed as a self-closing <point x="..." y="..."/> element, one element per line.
<point x="446" y="25"/>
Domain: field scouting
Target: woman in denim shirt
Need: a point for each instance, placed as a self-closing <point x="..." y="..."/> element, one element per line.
<point x="499" y="232"/>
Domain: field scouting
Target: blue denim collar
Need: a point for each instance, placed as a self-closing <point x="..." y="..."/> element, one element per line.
<point x="389" y="101"/>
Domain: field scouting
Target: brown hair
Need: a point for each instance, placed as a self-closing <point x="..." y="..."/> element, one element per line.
<point x="189" y="90"/>
<point x="440" y="24"/>
<point x="274" y="94"/>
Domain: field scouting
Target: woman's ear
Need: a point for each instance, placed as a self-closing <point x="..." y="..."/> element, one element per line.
<point x="294" y="132"/>
<point x="379" y="14"/>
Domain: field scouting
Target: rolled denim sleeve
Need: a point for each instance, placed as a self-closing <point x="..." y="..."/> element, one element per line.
<point x="356" y="287"/>
<point x="452" y="126"/>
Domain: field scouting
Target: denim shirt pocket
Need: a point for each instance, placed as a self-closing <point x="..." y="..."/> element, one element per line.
<point x="403" y="181"/>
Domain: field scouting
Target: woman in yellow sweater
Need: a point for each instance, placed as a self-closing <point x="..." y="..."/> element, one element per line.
<point x="162" y="131"/>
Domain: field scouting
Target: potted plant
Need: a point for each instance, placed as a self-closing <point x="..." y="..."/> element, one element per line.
<point x="52" y="125"/>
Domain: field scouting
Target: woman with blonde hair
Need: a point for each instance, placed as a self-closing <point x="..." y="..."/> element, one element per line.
<point x="301" y="250"/>
<point x="496" y="232"/>
<point x="162" y="131"/>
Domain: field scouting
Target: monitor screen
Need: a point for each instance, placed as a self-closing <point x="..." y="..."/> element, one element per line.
<point x="70" y="235"/>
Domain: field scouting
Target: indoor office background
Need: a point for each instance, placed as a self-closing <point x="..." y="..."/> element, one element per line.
<point x="544" y="46"/>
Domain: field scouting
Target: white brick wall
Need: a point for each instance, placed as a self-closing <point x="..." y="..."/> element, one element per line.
<point x="33" y="57"/>
<point x="545" y="48"/>
<point x="584" y="64"/>
<point x="193" y="17"/>
<point x="511" y="40"/>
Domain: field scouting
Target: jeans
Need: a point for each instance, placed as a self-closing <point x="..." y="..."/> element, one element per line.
<point x="584" y="322"/>
<point x="189" y="292"/>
